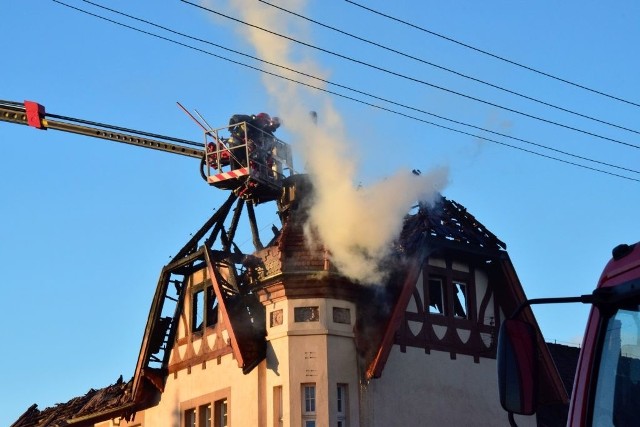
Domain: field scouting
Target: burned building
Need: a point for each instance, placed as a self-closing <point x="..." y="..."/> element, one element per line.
<point x="279" y="337"/>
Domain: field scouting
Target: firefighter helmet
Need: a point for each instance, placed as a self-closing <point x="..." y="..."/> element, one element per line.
<point x="263" y="117"/>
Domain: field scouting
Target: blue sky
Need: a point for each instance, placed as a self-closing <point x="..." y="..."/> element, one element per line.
<point x="86" y="225"/>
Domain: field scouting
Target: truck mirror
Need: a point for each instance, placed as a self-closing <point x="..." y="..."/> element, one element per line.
<point x="517" y="367"/>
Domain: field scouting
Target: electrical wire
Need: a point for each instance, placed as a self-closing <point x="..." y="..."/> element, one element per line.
<point x="369" y="94"/>
<point x="449" y="70"/>
<point x="413" y="79"/>
<point x="493" y="55"/>
<point x="351" y="98"/>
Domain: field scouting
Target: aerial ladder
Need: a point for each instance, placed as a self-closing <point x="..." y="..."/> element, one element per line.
<point x="252" y="169"/>
<point x="253" y="172"/>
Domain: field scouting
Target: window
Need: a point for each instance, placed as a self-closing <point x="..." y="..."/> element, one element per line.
<point x="460" y="300"/>
<point x="436" y="302"/>
<point x="204" y="416"/>
<point x="212" y="307"/>
<point x="210" y="410"/>
<point x="449" y="293"/>
<point x="190" y="418"/>
<point x="306" y="314"/>
<point x="308" y="405"/>
<point x="278" y="412"/>
<point x="204" y="308"/>
<point x="198" y="417"/>
<point x="341" y="398"/>
<point x="197" y="314"/>
<point x="221" y="413"/>
<point x="341" y="315"/>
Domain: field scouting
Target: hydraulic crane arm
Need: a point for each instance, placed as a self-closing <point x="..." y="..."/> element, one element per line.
<point x="253" y="169"/>
<point x="33" y="114"/>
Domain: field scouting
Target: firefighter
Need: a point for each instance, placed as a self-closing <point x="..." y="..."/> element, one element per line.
<point x="273" y="124"/>
<point x="257" y="132"/>
<point x="275" y="151"/>
<point x="255" y="124"/>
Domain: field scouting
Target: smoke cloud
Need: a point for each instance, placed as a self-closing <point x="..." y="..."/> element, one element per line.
<point x="356" y="224"/>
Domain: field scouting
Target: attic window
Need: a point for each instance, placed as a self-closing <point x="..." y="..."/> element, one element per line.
<point x="204" y="308"/>
<point x="197" y="313"/>
<point x="449" y="293"/>
<point x="436" y="303"/>
<point x="460" y="308"/>
<point x="212" y="307"/>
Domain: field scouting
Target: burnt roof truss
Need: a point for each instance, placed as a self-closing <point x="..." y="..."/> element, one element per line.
<point x="211" y="247"/>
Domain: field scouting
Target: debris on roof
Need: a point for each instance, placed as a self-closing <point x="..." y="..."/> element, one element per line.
<point x="447" y="221"/>
<point x="111" y="398"/>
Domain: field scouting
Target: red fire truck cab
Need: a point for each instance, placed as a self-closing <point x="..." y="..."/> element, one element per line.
<point x="606" y="389"/>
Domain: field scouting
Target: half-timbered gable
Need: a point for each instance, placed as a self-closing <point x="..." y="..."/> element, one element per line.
<point x="452" y="309"/>
<point x="202" y="334"/>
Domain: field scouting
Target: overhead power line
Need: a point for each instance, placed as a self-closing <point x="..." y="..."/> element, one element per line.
<point x="493" y="55"/>
<point x="415" y="80"/>
<point x="346" y="96"/>
<point x="365" y="93"/>
<point x="449" y="70"/>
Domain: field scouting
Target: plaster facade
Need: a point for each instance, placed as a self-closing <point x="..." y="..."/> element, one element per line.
<point x="287" y="341"/>
<point x="311" y="341"/>
<point x="441" y="392"/>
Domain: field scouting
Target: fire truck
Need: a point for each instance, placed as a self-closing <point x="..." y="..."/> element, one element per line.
<point x="606" y="388"/>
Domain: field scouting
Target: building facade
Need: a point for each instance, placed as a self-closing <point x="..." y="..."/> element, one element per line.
<point x="280" y="338"/>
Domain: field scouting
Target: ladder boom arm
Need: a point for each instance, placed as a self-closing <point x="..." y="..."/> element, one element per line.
<point x="33" y="114"/>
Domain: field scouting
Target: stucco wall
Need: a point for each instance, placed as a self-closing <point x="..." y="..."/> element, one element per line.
<point x="320" y="352"/>
<point x="432" y="390"/>
<point x="223" y="380"/>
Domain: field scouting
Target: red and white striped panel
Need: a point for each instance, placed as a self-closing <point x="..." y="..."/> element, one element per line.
<point x="237" y="173"/>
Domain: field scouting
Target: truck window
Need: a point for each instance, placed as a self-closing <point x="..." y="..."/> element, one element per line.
<point x="617" y="397"/>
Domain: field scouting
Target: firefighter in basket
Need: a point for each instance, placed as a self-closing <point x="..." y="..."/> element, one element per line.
<point x="253" y="134"/>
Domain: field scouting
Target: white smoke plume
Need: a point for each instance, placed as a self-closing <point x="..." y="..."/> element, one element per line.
<point x="356" y="225"/>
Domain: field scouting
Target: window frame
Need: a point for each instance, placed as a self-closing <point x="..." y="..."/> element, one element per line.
<point x="342" y="404"/>
<point x="209" y="307"/>
<point x="221" y="413"/>
<point x="450" y="279"/>
<point x="306" y="314"/>
<point x="202" y="413"/>
<point x="197" y="405"/>
<point x="278" y="407"/>
<point x="308" y="416"/>
<point x="458" y="286"/>
<point x="189" y="417"/>
<point x="429" y="300"/>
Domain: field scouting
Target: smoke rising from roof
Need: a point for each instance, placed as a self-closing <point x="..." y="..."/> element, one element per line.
<point x="356" y="225"/>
